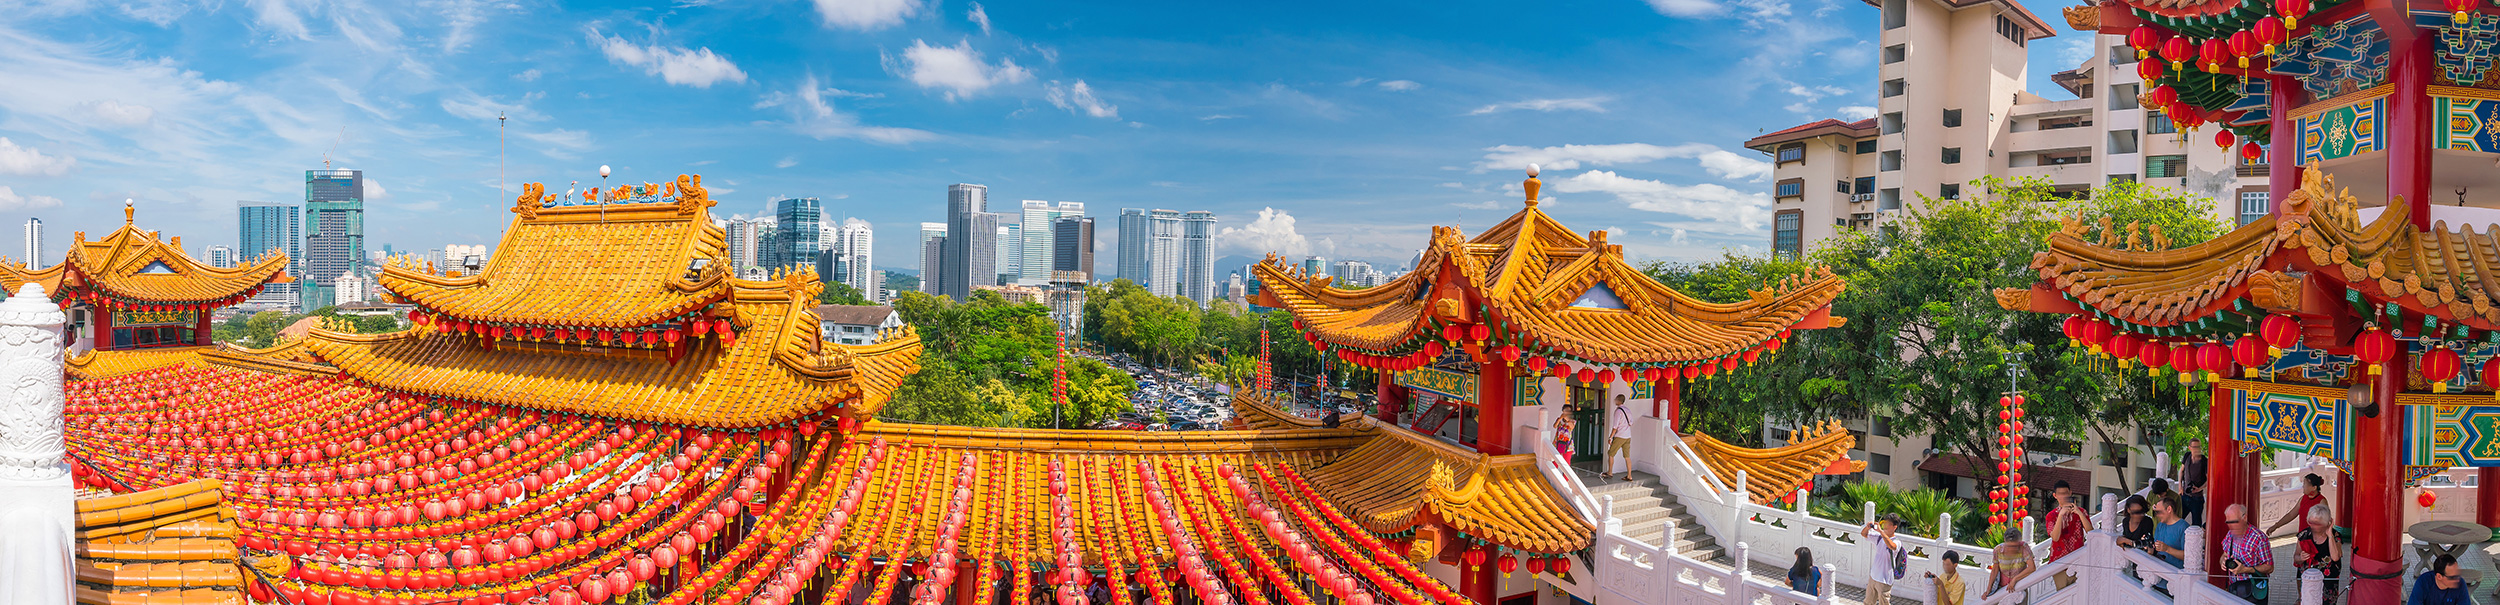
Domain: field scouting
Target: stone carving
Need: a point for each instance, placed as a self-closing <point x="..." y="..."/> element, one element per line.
<point x="30" y="371"/>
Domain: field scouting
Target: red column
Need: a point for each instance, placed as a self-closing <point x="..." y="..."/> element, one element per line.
<point x="2230" y="477"/>
<point x="103" y="315"/>
<point x="2283" y="94"/>
<point x="2377" y="504"/>
<point x="1670" y="403"/>
<point x="968" y="581"/>
<point x="1481" y="585"/>
<point x="199" y="333"/>
<point x="2487" y="497"/>
<point x="1392" y="399"/>
<point x="1493" y="402"/>
<point x="2408" y="126"/>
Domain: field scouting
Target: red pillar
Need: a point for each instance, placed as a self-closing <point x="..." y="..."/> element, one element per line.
<point x="2377" y="505"/>
<point x="2283" y="94"/>
<point x="2230" y="477"/>
<point x="1392" y="399"/>
<point x="1670" y="403"/>
<point x="199" y="333"/>
<point x="1493" y="402"/>
<point x="103" y="315"/>
<point x="1481" y="585"/>
<point x="2408" y="126"/>
<point x="2487" y="497"/>
<point x="968" y="581"/>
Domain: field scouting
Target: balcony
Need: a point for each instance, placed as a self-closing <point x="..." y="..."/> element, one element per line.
<point x="2256" y="170"/>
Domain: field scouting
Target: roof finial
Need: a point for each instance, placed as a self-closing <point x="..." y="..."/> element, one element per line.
<point x="1531" y="185"/>
<point x="130" y="211"/>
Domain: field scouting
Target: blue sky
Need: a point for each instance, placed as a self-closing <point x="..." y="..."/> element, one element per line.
<point x="1341" y="129"/>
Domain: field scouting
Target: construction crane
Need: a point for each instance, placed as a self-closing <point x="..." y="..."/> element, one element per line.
<point x="334" y="147"/>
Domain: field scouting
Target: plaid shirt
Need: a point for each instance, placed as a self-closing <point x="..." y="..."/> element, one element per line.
<point x="2250" y="547"/>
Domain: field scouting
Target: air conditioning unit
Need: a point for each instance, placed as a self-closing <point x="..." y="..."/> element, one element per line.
<point x="1860" y="198"/>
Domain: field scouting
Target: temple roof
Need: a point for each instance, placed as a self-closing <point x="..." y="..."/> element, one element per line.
<point x="134" y="266"/>
<point x="2222" y="285"/>
<point x="1776" y="472"/>
<point x="620" y="264"/>
<point x="172" y="545"/>
<point x="1547" y="288"/>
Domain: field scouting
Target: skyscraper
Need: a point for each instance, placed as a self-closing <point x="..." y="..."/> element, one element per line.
<point x="1197" y="256"/>
<point x="270" y="227"/>
<point x="1151" y="250"/>
<point x="970" y="255"/>
<point x="931" y="234"/>
<point x="334" y="232"/>
<point x="220" y="257"/>
<point x="34" y="243"/>
<point x="1010" y="250"/>
<point x="743" y="235"/>
<point x="853" y="255"/>
<point x="795" y="232"/>
<point x="1072" y="243"/>
<point x="1040" y="235"/>
<point x="1136" y="242"/>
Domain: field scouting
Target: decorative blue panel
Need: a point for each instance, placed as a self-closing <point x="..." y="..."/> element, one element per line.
<point x="2336" y="58"/>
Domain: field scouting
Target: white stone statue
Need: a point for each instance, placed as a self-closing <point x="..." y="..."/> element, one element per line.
<point x="37" y="517"/>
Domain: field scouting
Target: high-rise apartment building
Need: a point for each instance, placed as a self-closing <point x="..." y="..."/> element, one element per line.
<point x="1197" y="256"/>
<point x="34" y="243"/>
<point x="1041" y="236"/>
<point x="852" y="258"/>
<point x="744" y="243"/>
<point x="1355" y="274"/>
<point x="1010" y="249"/>
<point x="334" y="232"/>
<point x="932" y="238"/>
<point x="1136" y="245"/>
<point x="1072" y="243"/>
<point x="795" y="232"/>
<point x="266" y="228"/>
<point x="221" y="257"/>
<point x="1951" y="108"/>
<point x="970" y="255"/>
<point x="1315" y="265"/>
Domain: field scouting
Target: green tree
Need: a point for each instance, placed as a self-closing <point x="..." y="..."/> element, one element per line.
<point x="261" y="331"/>
<point x="838" y="293"/>
<point x="990" y="362"/>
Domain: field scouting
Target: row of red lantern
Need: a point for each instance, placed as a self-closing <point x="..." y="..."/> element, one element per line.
<point x="941" y="562"/>
<point x="2010" y="497"/>
<point x="101" y="300"/>
<point x="1193" y="565"/>
<point x="1299" y="548"/>
<point x="666" y="334"/>
<point x="1368" y="554"/>
<point x="2238" y="48"/>
<point x="772" y="581"/>
<point x="1378" y="551"/>
<point x="1204" y="517"/>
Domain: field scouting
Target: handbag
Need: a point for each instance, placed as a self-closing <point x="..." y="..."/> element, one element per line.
<point x="2252" y="590"/>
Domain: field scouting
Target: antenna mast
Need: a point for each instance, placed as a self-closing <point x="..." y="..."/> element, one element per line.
<point x="500" y="159"/>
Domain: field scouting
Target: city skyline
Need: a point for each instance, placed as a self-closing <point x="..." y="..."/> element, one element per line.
<point x="1372" y="123"/>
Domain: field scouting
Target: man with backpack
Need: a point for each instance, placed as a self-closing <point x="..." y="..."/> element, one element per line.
<point x="1891" y="559"/>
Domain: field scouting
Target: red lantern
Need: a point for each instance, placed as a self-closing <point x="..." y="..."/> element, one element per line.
<point x="1508" y="565"/>
<point x="2269" y="30"/>
<point x="2251" y="151"/>
<point x="2250" y="352"/>
<point x="2154" y="355"/>
<point x="2122" y="347"/>
<point x="2150" y="71"/>
<point x="2222" y="136"/>
<point x="2143" y="39"/>
<point x="1536" y="565"/>
<point x="2214" y="358"/>
<point x="2072" y="327"/>
<point x="1560" y="565"/>
<point x="2213" y="51"/>
<point x="2291" y="10"/>
<point x="2179" y="51"/>
<point x="1475" y="558"/>
<point x="2280" y="331"/>
<point x="2374" y="347"/>
<point x="2463" y="9"/>
<point x="2427" y="499"/>
<point x="2163" y="96"/>
<point x="2243" y="45"/>
<point x="2439" y="365"/>
<point x="2094" y="333"/>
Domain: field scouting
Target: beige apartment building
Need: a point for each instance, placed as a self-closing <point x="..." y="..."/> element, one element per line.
<point x="1951" y="108"/>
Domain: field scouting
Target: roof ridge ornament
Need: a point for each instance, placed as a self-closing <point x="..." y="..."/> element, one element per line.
<point x="130" y="211"/>
<point x="1532" y="185"/>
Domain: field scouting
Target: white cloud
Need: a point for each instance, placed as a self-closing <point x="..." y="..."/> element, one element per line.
<point x="1400" y="85"/>
<point x="1079" y="97"/>
<point x="1273" y="231"/>
<point x="1749" y="10"/>
<point x="1281" y="94"/>
<point x="1684" y="8"/>
<point x="1219" y="116"/>
<point x="276" y="15"/>
<point x="811" y="115"/>
<point x="867" y="15"/>
<point x="470" y="105"/>
<point x="1719" y="162"/>
<point x="982" y="17"/>
<point x="116" y="113"/>
<point x="787" y="162"/>
<point x="10" y="201"/>
<point x="699" y="68"/>
<point x="560" y="143"/>
<point x="1856" y="112"/>
<point x="958" y="69"/>
<point x="374" y="190"/>
<point x="1708" y="202"/>
<point x="528" y="76"/>
<point x="1590" y="104"/>
<point x="27" y="161"/>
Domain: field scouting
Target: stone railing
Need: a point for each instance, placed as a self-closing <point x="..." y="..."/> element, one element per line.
<point x="1633" y="572"/>
<point x="2102" y="572"/>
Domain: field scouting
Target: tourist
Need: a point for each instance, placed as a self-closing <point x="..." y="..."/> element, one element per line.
<point x="2312" y="494"/>
<point x="2246" y="554"/>
<point x="2444" y="584"/>
<point x="1891" y="559"/>
<point x="2067" y="523"/>
<point x="2319" y="549"/>
<point x="1948" y="585"/>
<point x="1563" y="426"/>
<point x="2169" y="531"/>
<point x="2013" y="563"/>
<point x="2192" y="482"/>
<point x="2135" y="524"/>
<point x="1802" y="576"/>
<point x="1618" y="437"/>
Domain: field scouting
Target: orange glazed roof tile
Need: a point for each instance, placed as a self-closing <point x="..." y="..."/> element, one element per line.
<point x="133" y="265"/>
<point x="173" y="544"/>
<point x="98" y="365"/>
<point x="1775" y="472"/>
<point x="1546" y="286"/>
<point x="613" y="265"/>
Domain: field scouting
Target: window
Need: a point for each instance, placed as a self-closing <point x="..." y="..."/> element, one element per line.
<point x="2254" y="204"/>
<point x="1952" y="118"/>
<point x="2122" y="141"/>
<point x="1866" y="146"/>
<point x="1879" y="464"/>
<point x="1792" y="152"/>
<point x="2121" y="54"/>
<point x="1896" y="53"/>
<point x="2156" y="123"/>
<point x="2013" y="31"/>
<point x="1890" y="161"/>
<point x="2113" y="454"/>
<point x="1950" y="191"/>
<point x="1790" y="188"/>
<point x="2121" y="178"/>
<point x="1865" y="184"/>
<point x="1787" y="236"/>
<point x="1890" y="123"/>
<point x="2123" y="96"/>
<point x="1880" y="427"/>
<point x="1953" y="155"/>
<point x="1844" y="186"/>
<point x="1896" y="14"/>
<point x="2165" y="166"/>
<point x="2062" y="122"/>
<point x="1894" y="87"/>
<point x="1888" y="199"/>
